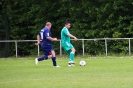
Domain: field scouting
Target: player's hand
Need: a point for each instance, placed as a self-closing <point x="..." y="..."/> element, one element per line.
<point x="37" y="44"/>
<point x="54" y="39"/>
<point x="75" y="39"/>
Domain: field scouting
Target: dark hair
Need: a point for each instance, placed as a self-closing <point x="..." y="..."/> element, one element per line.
<point x="67" y="22"/>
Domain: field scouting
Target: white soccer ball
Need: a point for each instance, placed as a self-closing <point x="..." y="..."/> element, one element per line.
<point x="82" y="63"/>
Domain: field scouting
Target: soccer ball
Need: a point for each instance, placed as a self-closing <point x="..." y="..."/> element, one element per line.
<point x="82" y="63"/>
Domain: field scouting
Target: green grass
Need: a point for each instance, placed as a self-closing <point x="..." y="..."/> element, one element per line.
<point x="100" y="72"/>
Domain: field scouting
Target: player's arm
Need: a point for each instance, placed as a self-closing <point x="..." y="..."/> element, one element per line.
<point x="38" y="40"/>
<point x="51" y="39"/>
<point x="72" y="36"/>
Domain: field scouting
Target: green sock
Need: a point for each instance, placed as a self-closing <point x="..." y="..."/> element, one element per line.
<point x="71" y="58"/>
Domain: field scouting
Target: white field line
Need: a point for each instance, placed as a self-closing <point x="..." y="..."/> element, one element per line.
<point x="14" y="81"/>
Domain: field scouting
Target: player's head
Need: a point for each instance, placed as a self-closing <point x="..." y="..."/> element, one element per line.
<point x="48" y="25"/>
<point x="67" y="24"/>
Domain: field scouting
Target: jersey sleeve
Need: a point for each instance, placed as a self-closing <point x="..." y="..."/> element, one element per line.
<point x="66" y="31"/>
<point x="40" y="34"/>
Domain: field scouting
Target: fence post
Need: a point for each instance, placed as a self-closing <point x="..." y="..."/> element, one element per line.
<point x="60" y="49"/>
<point x="106" y="49"/>
<point x="16" y="45"/>
<point x="129" y="48"/>
<point x="38" y="51"/>
<point x="83" y="46"/>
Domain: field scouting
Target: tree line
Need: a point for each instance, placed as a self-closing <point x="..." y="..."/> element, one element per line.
<point x="23" y="19"/>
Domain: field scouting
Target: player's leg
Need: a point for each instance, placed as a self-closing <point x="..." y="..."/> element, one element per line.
<point x="42" y="58"/>
<point x="53" y="56"/>
<point x="45" y="57"/>
<point x="71" y="57"/>
<point x="54" y="59"/>
<point x="72" y="51"/>
<point x="72" y="54"/>
<point x="69" y="49"/>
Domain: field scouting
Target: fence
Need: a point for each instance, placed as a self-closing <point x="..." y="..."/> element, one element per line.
<point x="83" y="51"/>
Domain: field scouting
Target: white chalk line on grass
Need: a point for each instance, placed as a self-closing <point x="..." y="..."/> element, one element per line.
<point x="14" y="81"/>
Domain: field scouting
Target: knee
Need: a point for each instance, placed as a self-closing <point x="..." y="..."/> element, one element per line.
<point x="73" y="50"/>
<point x="53" y="53"/>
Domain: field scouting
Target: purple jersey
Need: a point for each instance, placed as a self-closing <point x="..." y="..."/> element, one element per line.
<point x="44" y="33"/>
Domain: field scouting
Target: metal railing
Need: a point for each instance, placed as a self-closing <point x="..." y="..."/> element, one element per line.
<point x="83" y="50"/>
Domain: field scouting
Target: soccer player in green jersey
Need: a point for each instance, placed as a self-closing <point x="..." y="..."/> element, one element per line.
<point x="66" y="44"/>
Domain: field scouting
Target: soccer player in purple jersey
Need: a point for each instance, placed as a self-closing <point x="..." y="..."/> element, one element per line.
<point x="46" y="37"/>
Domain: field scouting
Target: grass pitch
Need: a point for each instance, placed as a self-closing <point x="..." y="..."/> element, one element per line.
<point x="99" y="72"/>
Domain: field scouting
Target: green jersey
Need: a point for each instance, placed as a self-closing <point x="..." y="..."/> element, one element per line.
<point x="64" y="37"/>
